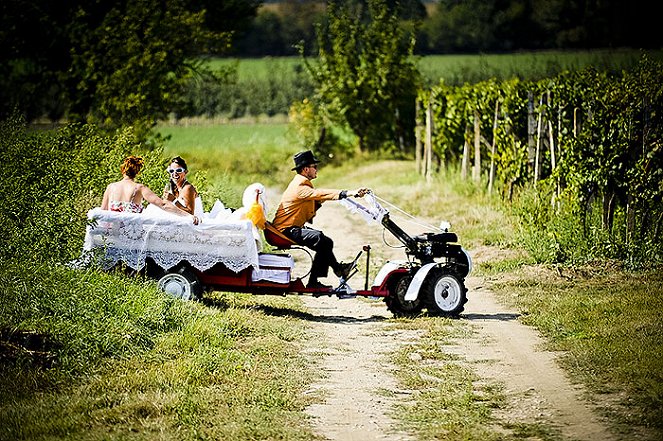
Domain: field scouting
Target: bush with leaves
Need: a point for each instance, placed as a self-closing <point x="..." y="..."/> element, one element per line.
<point x="364" y="76"/>
<point x="52" y="179"/>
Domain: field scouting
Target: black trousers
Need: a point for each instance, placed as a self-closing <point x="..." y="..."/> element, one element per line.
<point x="322" y="245"/>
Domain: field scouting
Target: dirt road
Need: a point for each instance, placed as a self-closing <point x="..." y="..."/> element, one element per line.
<point x="354" y="338"/>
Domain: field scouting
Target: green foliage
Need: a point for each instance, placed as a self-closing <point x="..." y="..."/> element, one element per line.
<point x="51" y="181"/>
<point x="85" y="354"/>
<point x="364" y="77"/>
<point x="132" y="74"/>
<point x="254" y="87"/>
<point x="598" y="137"/>
<point x="267" y="90"/>
<point x="54" y="178"/>
<point x="111" y="64"/>
<point x="308" y="130"/>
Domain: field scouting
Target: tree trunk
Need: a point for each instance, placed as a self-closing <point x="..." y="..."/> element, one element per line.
<point x="608" y="210"/>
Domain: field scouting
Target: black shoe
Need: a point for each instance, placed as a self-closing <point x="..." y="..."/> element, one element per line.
<point x="314" y="284"/>
<point x="344" y="269"/>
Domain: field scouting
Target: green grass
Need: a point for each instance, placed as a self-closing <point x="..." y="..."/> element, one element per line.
<point x="458" y="69"/>
<point x="258" y="68"/>
<point x="129" y="362"/>
<point x="233" y="156"/>
<point x="119" y="360"/>
<point x="243" y="151"/>
<point x="609" y="326"/>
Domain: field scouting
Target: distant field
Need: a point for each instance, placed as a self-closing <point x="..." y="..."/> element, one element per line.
<point x="234" y="155"/>
<point x="460" y="68"/>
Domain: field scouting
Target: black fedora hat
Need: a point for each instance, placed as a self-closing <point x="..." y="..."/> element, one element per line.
<point x="302" y="159"/>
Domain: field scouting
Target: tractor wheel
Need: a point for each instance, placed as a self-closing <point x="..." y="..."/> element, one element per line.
<point x="444" y="293"/>
<point x="181" y="283"/>
<point x="396" y="302"/>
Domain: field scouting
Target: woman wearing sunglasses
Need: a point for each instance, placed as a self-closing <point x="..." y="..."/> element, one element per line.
<point x="127" y="196"/>
<point x="179" y="191"/>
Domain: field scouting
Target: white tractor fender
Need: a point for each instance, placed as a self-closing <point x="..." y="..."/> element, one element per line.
<point x="469" y="261"/>
<point x="386" y="269"/>
<point x="413" y="290"/>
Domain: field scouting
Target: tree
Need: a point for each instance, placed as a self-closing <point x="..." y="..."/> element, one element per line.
<point x="113" y="63"/>
<point x="32" y="49"/>
<point x="365" y="79"/>
<point x="130" y="62"/>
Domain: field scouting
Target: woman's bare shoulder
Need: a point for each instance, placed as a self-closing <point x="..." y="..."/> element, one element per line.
<point x="189" y="188"/>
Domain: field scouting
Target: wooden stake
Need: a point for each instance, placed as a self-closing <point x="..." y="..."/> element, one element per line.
<point x="429" y="142"/>
<point x="538" y="144"/>
<point x="418" y="145"/>
<point x="491" y="176"/>
<point x="476" y="171"/>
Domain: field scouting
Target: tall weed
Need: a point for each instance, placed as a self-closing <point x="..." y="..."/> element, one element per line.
<point x="555" y="229"/>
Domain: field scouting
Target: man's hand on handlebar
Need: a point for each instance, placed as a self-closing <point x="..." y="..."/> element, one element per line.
<point x="360" y="192"/>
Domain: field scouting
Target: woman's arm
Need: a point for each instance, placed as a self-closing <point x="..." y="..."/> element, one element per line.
<point x="186" y="200"/>
<point x="169" y="191"/>
<point x="104" y="201"/>
<point x="153" y="199"/>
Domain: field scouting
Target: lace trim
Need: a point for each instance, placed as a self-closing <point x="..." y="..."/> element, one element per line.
<point x="169" y="239"/>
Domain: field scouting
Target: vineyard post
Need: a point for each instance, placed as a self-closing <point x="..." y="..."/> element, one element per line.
<point x="466" y="154"/>
<point x="559" y="149"/>
<point x="428" y="153"/>
<point x="552" y="158"/>
<point x="476" y="171"/>
<point x="418" y="145"/>
<point x="537" y="151"/>
<point x="531" y="130"/>
<point x="575" y="122"/>
<point x="491" y="176"/>
<point x="551" y="136"/>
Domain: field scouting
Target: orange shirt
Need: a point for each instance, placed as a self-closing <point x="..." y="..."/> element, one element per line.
<point x="300" y="202"/>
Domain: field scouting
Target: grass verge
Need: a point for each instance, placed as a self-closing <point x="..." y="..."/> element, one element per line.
<point x="607" y="324"/>
<point x="126" y="362"/>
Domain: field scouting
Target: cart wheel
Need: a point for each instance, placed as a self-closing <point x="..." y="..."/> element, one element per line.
<point x="182" y="284"/>
<point x="444" y="293"/>
<point x="396" y="302"/>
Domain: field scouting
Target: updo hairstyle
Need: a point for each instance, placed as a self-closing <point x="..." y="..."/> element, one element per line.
<point x="131" y="166"/>
<point x="179" y="161"/>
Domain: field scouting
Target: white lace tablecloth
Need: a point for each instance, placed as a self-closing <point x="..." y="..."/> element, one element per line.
<point x="169" y="239"/>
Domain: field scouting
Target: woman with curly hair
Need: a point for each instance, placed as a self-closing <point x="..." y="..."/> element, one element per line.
<point x="127" y="196"/>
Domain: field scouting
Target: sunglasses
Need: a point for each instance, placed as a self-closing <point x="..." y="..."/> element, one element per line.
<point x="314" y="166"/>
<point x="176" y="170"/>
